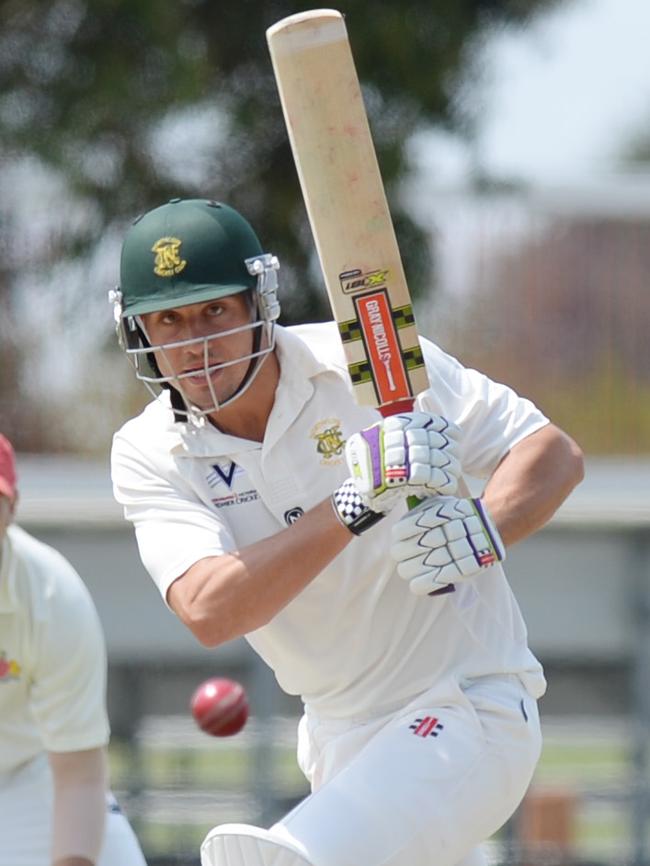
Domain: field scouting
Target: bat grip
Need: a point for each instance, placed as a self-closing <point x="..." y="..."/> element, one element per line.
<point x="392" y="409"/>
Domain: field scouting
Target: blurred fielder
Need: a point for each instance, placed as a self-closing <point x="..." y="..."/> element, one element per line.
<point x="267" y="503"/>
<point x="54" y="803"/>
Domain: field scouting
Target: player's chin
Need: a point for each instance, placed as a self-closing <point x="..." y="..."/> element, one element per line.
<point x="223" y="383"/>
<point x="205" y="397"/>
<point x="202" y="395"/>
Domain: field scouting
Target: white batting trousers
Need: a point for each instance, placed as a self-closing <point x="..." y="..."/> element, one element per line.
<point x="423" y="786"/>
<point x="26" y="822"/>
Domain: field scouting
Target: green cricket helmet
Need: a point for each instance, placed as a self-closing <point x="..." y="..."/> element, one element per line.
<point x="187" y="252"/>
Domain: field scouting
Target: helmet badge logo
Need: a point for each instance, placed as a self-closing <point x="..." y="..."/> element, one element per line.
<point x="168" y="260"/>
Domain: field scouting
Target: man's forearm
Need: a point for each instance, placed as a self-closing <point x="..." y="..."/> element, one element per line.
<point x="532" y="482"/>
<point x="223" y="597"/>
<point x="79" y="806"/>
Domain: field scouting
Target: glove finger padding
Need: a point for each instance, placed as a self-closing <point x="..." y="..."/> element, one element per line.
<point x="409" y="454"/>
<point x="445" y="540"/>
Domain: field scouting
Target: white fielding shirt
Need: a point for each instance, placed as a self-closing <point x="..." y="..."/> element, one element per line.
<point x="52" y="656"/>
<point x="355" y="642"/>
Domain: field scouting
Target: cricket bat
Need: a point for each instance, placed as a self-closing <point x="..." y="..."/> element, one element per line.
<point x="347" y="208"/>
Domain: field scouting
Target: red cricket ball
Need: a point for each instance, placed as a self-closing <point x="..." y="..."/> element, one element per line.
<point x="220" y="707"/>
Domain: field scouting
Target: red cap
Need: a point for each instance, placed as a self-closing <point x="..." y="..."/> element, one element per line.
<point x="7" y="468"/>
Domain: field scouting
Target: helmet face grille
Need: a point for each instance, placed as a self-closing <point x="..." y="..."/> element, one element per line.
<point x="140" y="352"/>
<point x="185" y="252"/>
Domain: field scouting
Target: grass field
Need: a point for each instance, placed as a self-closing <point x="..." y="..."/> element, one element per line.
<point x="175" y="783"/>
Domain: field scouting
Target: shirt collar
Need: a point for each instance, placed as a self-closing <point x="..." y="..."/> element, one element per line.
<point x="303" y="362"/>
<point x="298" y="366"/>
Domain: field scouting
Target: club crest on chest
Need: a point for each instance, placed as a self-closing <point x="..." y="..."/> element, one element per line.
<point x="10" y="669"/>
<point x="330" y="443"/>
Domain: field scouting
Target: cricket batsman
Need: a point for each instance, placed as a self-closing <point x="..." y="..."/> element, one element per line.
<point x="267" y="503"/>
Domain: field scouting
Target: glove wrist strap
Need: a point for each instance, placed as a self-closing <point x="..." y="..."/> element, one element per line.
<point x="351" y="510"/>
<point x="490" y="530"/>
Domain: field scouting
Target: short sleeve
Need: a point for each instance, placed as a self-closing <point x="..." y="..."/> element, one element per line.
<point x="173" y="528"/>
<point x="493" y="418"/>
<point x="68" y="695"/>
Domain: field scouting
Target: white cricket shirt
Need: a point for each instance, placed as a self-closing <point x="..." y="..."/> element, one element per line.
<point x="356" y="641"/>
<point x="52" y="656"/>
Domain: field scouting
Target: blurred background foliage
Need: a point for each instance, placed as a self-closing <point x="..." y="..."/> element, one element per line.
<point x="108" y="108"/>
<point x="133" y="102"/>
<point x="563" y="317"/>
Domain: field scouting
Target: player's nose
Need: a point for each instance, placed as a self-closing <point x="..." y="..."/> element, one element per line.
<point x="195" y="328"/>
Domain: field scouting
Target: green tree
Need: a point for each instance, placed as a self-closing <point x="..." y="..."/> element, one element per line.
<point x="132" y="102"/>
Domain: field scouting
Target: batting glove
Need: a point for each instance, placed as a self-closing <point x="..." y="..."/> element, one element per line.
<point x="445" y="540"/>
<point x="410" y="454"/>
<point x="351" y="510"/>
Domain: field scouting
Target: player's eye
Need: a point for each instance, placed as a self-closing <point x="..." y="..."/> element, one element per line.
<point x="215" y="310"/>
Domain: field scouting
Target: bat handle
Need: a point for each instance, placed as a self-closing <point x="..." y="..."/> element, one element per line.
<point x="392" y="409"/>
<point x="448" y="587"/>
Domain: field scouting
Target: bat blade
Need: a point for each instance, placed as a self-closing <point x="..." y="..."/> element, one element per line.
<point x="347" y="208"/>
